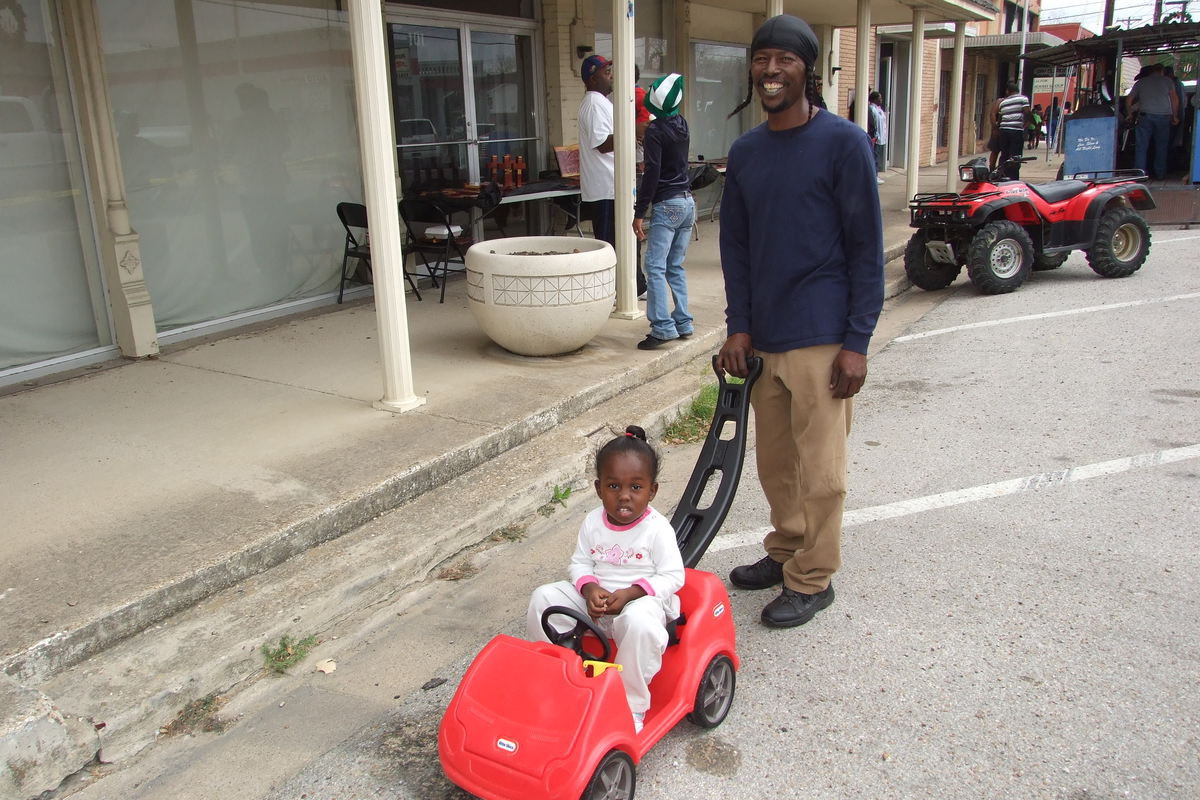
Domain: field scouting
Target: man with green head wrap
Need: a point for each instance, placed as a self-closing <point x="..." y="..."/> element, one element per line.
<point x="665" y="195"/>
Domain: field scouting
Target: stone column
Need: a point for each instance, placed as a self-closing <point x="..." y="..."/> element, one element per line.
<point x="377" y="142"/>
<point x="912" y="164"/>
<point x="862" y="66"/>
<point x="120" y="251"/>
<point x="955" y="100"/>
<point x="623" y="141"/>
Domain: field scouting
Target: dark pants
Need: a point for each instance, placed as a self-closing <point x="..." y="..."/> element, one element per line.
<point x="602" y="214"/>
<point x="1012" y="144"/>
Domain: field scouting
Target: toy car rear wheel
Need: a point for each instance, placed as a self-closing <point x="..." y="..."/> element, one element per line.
<point x="1044" y="263"/>
<point x="1122" y="243"/>
<point x="714" y="697"/>
<point x="1000" y="257"/>
<point x="922" y="270"/>
<point x="614" y="779"/>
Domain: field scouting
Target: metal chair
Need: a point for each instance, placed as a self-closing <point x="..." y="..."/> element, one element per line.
<point x="430" y="234"/>
<point x="354" y="218"/>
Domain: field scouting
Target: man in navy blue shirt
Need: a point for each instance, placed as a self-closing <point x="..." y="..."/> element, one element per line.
<point x="802" y="255"/>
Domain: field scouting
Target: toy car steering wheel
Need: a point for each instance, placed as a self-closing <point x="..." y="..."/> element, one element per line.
<point x="573" y="639"/>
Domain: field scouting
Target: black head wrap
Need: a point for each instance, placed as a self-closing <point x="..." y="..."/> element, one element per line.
<point x="786" y="32"/>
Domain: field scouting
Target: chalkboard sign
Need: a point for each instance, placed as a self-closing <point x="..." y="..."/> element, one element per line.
<point x="1090" y="144"/>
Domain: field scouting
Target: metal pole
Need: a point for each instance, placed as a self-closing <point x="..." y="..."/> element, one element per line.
<point x="369" y="56"/>
<point x="912" y="165"/>
<point x="1021" y="58"/>
<point x="623" y="146"/>
<point x="955" y="100"/>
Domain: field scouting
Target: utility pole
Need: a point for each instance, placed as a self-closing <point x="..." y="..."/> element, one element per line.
<point x="1157" y="11"/>
<point x="1108" y="14"/>
<point x="1128" y="22"/>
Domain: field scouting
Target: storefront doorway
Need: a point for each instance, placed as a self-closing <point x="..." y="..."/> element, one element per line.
<point x="463" y="90"/>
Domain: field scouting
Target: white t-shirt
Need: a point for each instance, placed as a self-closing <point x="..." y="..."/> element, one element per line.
<point x="644" y="553"/>
<point x="597" y="171"/>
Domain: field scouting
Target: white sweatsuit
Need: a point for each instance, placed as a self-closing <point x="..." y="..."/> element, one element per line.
<point x="643" y="553"/>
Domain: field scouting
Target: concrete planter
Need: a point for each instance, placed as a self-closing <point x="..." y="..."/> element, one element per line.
<point x="541" y="305"/>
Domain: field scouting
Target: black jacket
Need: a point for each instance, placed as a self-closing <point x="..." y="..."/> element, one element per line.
<point x="666" y="160"/>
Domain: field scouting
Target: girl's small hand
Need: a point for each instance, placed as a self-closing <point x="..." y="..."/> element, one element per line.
<point x="618" y="599"/>
<point x="597" y="599"/>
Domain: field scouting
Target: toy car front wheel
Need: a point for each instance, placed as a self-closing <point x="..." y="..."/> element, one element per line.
<point x="1122" y="243"/>
<point x="715" y="694"/>
<point x="922" y="270"/>
<point x="1000" y="257"/>
<point x="614" y="779"/>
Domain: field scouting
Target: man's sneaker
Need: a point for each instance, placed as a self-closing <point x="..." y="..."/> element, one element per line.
<point x="795" y="608"/>
<point x="879" y="180"/>
<point x="651" y="343"/>
<point x="687" y="335"/>
<point x="762" y="574"/>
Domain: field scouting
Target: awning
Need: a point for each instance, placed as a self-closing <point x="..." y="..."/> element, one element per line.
<point x="1152" y="40"/>
<point x="1034" y="40"/>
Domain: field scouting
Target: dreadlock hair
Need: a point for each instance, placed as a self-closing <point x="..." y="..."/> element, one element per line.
<point x="810" y="92"/>
<point x="633" y="440"/>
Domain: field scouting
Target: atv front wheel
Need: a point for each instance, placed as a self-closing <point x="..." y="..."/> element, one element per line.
<point x="922" y="270"/>
<point x="1000" y="257"/>
<point x="1043" y="262"/>
<point x="1122" y="243"/>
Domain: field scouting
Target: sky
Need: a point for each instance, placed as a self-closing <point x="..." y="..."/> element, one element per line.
<point x="1126" y="13"/>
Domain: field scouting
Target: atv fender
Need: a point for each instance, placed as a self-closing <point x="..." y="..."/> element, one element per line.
<point x="1017" y="209"/>
<point x="1082" y="233"/>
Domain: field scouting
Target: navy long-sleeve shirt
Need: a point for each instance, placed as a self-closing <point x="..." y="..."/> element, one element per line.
<point x="802" y="236"/>
<point x="666" y="158"/>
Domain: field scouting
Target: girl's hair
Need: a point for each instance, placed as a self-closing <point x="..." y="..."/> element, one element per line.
<point x="810" y="92"/>
<point x="633" y="440"/>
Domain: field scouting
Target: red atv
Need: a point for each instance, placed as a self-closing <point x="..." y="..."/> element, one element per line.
<point x="1002" y="229"/>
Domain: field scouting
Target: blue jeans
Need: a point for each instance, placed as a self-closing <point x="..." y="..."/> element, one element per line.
<point x="1152" y="129"/>
<point x="670" y="233"/>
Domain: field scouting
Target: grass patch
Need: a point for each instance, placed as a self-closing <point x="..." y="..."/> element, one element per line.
<point x="692" y="424"/>
<point x="509" y="533"/>
<point x="559" y="498"/>
<point x="288" y="653"/>
<point x="198" y="715"/>
<point x="459" y="570"/>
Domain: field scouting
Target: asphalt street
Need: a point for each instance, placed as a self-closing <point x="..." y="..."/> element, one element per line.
<point x="1016" y="615"/>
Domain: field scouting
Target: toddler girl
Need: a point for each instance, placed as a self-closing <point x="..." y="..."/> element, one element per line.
<point x="626" y="568"/>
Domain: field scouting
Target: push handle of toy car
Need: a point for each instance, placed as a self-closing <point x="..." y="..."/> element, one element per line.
<point x="696" y="526"/>
<point x="573" y="639"/>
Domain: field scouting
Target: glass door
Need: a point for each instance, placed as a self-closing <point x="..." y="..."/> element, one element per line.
<point x="463" y="99"/>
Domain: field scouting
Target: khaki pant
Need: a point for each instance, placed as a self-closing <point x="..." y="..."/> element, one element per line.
<point x="801" y="453"/>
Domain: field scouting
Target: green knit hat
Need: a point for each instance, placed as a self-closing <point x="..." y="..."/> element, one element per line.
<point x="665" y="95"/>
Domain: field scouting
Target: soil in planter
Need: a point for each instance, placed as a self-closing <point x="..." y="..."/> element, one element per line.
<point x="533" y="253"/>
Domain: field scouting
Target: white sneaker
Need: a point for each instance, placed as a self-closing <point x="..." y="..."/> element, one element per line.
<point x="878" y="179"/>
<point x="639" y="719"/>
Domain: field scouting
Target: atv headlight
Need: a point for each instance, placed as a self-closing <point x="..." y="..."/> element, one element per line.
<point x="966" y="173"/>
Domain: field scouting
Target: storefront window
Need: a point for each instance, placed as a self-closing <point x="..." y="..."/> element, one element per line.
<point x="237" y="135"/>
<point x="649" y="44"/>
<point x="720" y="84"/>
<point x="51" y="297"/>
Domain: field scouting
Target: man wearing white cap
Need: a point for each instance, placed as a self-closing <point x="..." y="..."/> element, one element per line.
<point x="665" y="184"/>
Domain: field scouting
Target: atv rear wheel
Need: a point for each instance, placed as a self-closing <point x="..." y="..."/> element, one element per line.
<point x="1000" y="257"/>
<point x="1044" y="262"/>
<point x="922" y="270"/>
<point x="1122" y="243"/>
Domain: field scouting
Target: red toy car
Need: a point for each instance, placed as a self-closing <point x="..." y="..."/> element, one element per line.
<point x="1002" y="229"/>
<point x="538" y="721"/>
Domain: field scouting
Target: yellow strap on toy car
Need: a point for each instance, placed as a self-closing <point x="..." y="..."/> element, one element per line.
<point x="595" y="669"/>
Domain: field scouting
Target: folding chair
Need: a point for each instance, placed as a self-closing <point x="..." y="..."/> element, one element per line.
<point x="432" y="235"/>
<point x="354" y="217"/>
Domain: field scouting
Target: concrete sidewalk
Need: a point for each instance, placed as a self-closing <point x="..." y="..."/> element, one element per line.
<point x="133" y="493"/>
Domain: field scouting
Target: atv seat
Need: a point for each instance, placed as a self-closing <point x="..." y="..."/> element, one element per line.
<point x="1057" y="191"/>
